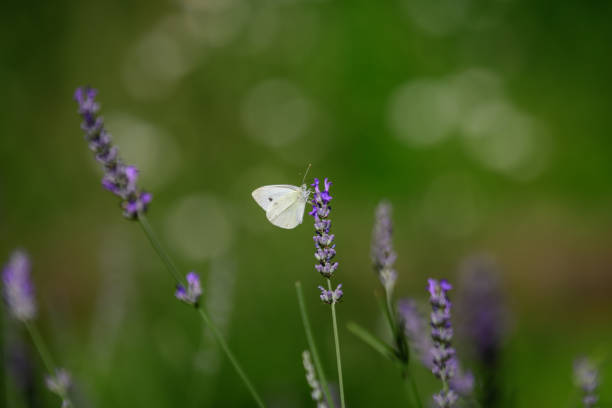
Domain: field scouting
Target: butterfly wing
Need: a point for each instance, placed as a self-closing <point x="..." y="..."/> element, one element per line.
<point x="268" y="196"/>
<point x="289" y="217"/>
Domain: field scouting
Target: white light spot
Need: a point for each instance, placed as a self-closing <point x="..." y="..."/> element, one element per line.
<point x="504" y="139"/>
<point x="423" y="113"/>
<point x="198" y="227"/>
<point x="147" y="147"/>
<point x="275" y="113"/>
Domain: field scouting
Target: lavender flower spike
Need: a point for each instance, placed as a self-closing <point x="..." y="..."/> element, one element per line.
<point x="383" y="256"/>
<point x="415" y="328"/>
<point x="18" y="288"/>
<point x="324" y="247"/>
<point x="311" y="378"/>
<point x="119" y="179"/>
<point x="190" y="294"/>
<point x="442" y="333"/>
<point x="586" y="377"/>
<point x="59" y="384"/>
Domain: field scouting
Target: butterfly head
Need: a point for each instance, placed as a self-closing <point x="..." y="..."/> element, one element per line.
<point x="305" y="191"/>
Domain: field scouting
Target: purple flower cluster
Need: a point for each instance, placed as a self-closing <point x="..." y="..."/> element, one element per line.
<point x="119" y="179"/>
<point x="383" y="256"/>
<point x="442" y="333"/>
<point x="324" y="248"/>
<point x="586" y="377"/>
<point x="18" y="288"/>
<point x="415" y="328"/>
<point x="331" y="296"/>
<point x="190" y="294"/>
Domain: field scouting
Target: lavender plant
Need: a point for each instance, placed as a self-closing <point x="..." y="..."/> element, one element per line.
<point x="383" y="259"/>
<point x="311" y="379"/>
<point x="586" y="377"/>
<point x="121" y="180"/>
<point x="416" y="331"/>
<point x="442" y="333"/>
<point x="483" y="322"/>
<point x="18" y="291"/>
<point x="324" y="253"/>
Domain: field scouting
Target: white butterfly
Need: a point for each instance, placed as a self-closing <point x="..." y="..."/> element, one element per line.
<point x="283" y="204"/>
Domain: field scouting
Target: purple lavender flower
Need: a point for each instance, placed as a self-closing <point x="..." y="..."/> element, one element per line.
<point x="324" y="248"/>
<point x="190" y="294"/>
<point x="18" y="288"/>
<point x="415" y="328"/>
<point x="442" y="334"/>
<point x="59" y="383"/>
<point x="311" y="378"/>
<point x="119" y="178"/>
<point x="586" y="377"/>
<point x="331" y="296"/>
<point x="383" y="256"/>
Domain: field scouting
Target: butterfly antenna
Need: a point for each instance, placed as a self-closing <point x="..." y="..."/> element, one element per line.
<point x="306" y="173"/>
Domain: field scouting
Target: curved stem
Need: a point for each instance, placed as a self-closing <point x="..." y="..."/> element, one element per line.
<point x="146" y="227"/>
<point x="41" y="347"/>
<point x="312" y="346"/>
<point x="338" y="359"/>
<point x="414" y="391"/>
<point x="231" y="357"/>
<point x="45" y="356"/>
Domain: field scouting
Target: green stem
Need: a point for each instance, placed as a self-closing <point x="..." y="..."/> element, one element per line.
<point x="41" y="347"/>
<point x="372" y="341"/>
<point x="45" y="356"/>
<point x="312" y="346"/>
<point x="338" y="359"/>
<point x="413" y="390"/>
<point x="231" y="357"/>
<point x="146" y="227"/>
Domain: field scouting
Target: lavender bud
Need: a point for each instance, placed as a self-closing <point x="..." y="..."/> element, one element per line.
<point x="192" y="293"/>
<point x="311" y="378"/>
<point x="331" y="296"/>
<point x="586" y="377"/>
<point x="119" y="179"/>
<point x="383" y="256"/>
<point x="18" y="288"/>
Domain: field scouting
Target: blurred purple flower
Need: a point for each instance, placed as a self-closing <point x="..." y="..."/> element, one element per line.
<point x="324" y="248"/>
<point x="190" y="294"/>
<point x="59" y="383"/>
<point x="481" y="307"/>
<point x="18" y="288"/>
<point x="586" y="377"/>
<point x="120" y="179"/>
<point x="311" y="378"/>
<point x="383" y="256"/>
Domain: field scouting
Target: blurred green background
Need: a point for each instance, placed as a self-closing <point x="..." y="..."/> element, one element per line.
<point x="485" y="123"/>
